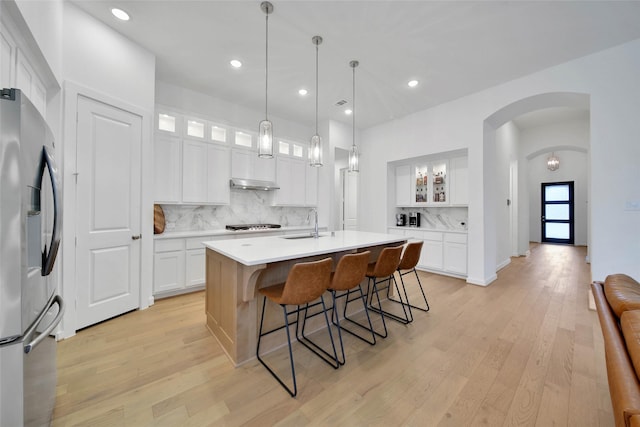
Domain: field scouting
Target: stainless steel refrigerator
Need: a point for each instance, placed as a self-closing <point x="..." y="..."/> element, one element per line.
<point x="30" y="229"/>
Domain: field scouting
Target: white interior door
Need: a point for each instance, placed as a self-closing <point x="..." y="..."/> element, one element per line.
<point x="108" y="202"/>
<point x="350" y="200"/>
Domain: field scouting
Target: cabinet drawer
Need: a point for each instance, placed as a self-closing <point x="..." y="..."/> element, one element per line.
<point x="433" y="235"/>
<point x="169" y="245"/>
<point x="196" y="242"/>
<point x="455" y="238"/>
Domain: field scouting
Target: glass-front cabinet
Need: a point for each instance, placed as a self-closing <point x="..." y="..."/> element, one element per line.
<point x="430" y="184"/>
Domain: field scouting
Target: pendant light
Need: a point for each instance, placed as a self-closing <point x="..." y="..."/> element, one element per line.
<point x="265" y="131"/>
<point x="315" y="148"/>
<point x="553" y="163"/>
<point x="353" y="154"/>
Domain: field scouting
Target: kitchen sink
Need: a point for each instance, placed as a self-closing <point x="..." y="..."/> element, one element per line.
<point x="305" y="236"/>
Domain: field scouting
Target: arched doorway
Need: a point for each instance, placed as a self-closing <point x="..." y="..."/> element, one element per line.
<point x="517" y="224"/>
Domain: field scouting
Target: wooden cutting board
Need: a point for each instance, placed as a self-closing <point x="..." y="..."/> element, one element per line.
<point x="158" y="219"/>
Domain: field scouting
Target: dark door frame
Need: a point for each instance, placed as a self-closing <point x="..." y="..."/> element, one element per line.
<point x="571" y="219"/>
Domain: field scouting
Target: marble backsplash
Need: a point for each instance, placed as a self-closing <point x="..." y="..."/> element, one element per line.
<point x="441" y="218"/>
<point x="246" y="207"/>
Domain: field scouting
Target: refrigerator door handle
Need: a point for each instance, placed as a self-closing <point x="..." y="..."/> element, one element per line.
<point x="57" y="299"/>
<point x="49" y="256"/>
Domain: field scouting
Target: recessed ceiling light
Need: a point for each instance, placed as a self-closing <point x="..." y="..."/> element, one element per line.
<point x="303" y="92"/>
<point x="348" y="111"/>
<point x="235" y="63"/>
<point x="120" y="14"/>
<point x="412" y="83"/>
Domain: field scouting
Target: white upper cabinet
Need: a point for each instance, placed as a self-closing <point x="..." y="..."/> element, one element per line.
<point x="17" y="72"/>
<point x="167" y="169"/>
<point x="459" y="187"/>
<point x="403" y="185"/>
<point x="291" y="178"/>
<point x="311" y="196"/>
<point x="194" y="171"/>
<point x="245" y="164"/>
<point x="218" y="173"/>
<point x="192" y="161"/>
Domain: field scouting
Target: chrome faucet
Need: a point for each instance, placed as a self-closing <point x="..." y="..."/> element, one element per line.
<point x="315" y="229"/>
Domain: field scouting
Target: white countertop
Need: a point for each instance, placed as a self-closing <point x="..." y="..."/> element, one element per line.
<point x="263" y="250"/>
<point x="225" y="232"/>
<point x="441" y="230"/>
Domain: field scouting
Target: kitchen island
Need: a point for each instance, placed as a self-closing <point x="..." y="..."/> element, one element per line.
<point x="236" y="269"/>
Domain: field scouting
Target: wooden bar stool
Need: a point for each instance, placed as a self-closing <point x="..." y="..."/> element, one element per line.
<point x="382" y="271"/>
<point x="346" y="280"/>
<point x="410" y="258"/>
<point x="306" y="282"/>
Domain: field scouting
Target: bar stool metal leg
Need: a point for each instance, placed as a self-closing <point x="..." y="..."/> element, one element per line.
<point x="331" y="360"/>
<point x="336" y="320"/>
<point x="408" y="316"/>
<point x="424" y="296"/>
<point x="260" y="335"/>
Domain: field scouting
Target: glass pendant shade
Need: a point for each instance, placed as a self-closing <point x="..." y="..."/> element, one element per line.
<point x="315" y="147"/>
<point x="315" y="151"/>
<point x="354" y="159"/>
<point x="553" y="163"/>
<point x="354" y="156"/>
<point x="265" y="139"/>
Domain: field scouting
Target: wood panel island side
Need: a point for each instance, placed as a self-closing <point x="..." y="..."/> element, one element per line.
<point x="237" y="268"/>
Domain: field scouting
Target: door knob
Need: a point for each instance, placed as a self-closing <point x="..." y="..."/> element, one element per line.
<point x="138" y="237"/>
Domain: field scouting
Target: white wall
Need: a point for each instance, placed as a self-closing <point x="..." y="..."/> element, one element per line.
<point x="45" y="21"/>
<point x="507" y="148"/>
<point x="99" y="58"/>
<point x="573" y="167"/>
<point x="608" y="77"/>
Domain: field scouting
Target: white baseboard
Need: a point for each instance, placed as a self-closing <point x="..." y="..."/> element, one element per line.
<point x="480" y="282"/>
<point x="503" y="264"/>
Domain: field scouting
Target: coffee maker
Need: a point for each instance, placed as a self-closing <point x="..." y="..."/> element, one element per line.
<point x="414" y="219"/>
<point x="401" y="220"/>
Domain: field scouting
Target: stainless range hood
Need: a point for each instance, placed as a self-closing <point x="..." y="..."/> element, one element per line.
<point x="252" y="184"/>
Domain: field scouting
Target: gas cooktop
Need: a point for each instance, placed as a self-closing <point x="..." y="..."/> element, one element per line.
<point x="252" y="227"/>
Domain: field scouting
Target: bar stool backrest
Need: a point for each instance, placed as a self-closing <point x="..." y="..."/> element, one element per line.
<point x="350" y="271"/>
<point x="306" y="282"/>
<point x="387" y="262"/>
<point x="411" y="255"/>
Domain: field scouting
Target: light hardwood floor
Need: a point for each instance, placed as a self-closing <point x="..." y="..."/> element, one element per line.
<point x="524" y="351"/>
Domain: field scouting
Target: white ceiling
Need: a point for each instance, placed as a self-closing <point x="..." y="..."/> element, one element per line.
<point x="453" y="48"/>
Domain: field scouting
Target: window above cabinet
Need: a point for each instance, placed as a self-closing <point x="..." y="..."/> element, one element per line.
<point x="169" y="122"/>
<point x="243" y="139"/>
<point x="195" y="128"/>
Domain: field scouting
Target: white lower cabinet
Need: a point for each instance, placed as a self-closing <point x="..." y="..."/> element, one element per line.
<point x="455" y="253"/>
<point x="168" y="266"/>
<point x="431" y="256"/>
<point x="178" y="265"/>
<point x="442" y="252"/>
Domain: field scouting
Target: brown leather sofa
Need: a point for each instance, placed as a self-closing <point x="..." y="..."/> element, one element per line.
<point x="618" y="304"/>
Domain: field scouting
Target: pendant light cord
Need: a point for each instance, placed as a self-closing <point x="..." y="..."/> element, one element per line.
<point x="316" y="88"/>
<point x="266" y="69"/>
<point x="354" y="105"/>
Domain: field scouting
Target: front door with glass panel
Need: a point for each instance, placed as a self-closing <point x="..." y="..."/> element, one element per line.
<point x="557" y="212"/>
